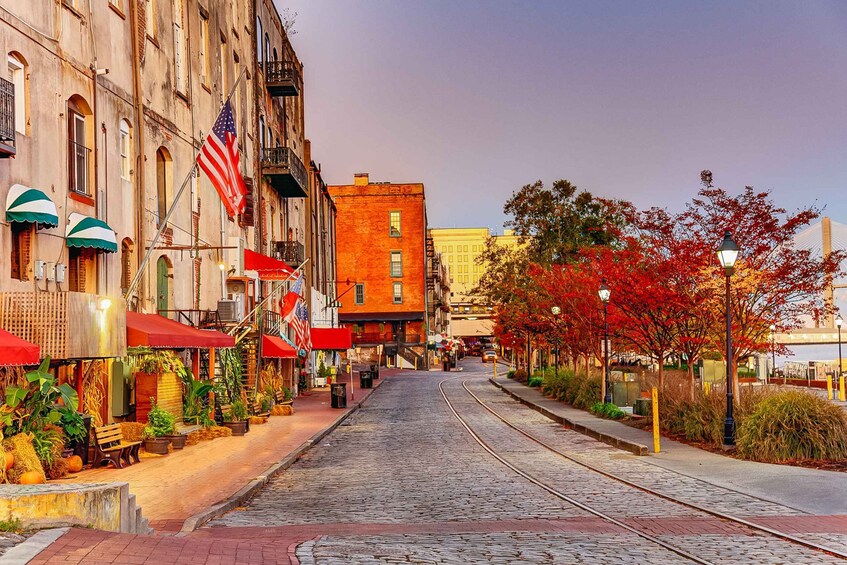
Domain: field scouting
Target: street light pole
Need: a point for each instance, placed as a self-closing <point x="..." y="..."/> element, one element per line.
<point x="727" y="254"/>
<point x="556" y="311"/>
<point x="773" y="353"/>
<point x="605" y="293"/>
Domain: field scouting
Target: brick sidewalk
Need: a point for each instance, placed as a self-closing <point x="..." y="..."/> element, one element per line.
<point x="172" y="488"/>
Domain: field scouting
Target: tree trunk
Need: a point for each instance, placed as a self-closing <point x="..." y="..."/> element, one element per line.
<point x="661" y="369"/>
<point x="691" y="377"/>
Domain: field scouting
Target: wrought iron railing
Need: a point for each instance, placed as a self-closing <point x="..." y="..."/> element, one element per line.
<point x="195" y="318"/>
<point x="78" y="167"/>
<point x="292" y="252"/>
<point x="281" y="71"/>
<point x="272" y="323"/>
<point x="285" y="158"/>
<point x="7" y="112"/>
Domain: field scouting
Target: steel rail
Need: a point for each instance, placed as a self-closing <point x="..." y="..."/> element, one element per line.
<point x="561" y="495"/>
<point x="718" y="514"/>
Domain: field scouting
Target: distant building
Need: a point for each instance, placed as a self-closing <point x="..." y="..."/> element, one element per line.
<point x="460" y="248"/>
<point x="382" y="250"/>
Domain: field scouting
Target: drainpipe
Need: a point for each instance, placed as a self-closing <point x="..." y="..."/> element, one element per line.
<point x="138" y="146"/>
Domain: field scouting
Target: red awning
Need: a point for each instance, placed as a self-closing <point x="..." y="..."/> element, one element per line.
<point x="15" y="351"/>
<point x="332" y="339"/>
<point x="152" y="330"/>
<point x="269" y="269"/>
<point x="277" y="347"/>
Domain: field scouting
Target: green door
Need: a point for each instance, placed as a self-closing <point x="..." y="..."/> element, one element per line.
<point x="162" y="290"/>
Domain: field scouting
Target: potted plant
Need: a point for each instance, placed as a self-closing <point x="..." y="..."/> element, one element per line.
<point x="287" y="396"/>
<point x="160" y="424"/>
<point x="236" y="418"/>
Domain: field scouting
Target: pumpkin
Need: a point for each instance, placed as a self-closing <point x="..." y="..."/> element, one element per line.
<point x="74" y="463"/>
<point x="32" y="478"/>
<point x="10" y="460"/>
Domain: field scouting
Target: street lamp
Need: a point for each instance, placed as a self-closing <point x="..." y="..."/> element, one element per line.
<point x="556" y="311"/>
<point x="605" y="293"/>
<point x="838" y="322"/>
<point x="727" y="254"/>
<point x="773" y="352"/>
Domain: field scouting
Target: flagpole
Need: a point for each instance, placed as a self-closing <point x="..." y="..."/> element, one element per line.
<point x="268" y="297"/>
<point x="164" y="222"/>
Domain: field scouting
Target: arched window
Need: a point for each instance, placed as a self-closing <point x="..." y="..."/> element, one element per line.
<point x="163" y="183"/>
<point x="18" y="76"/>
<point x="259" y="41"/>
<point x="267" y="48"/>
<point x="262" y="144"/>
<point x="275" y="57"/>
<point x="126" y="149"/>
<point x="80" y="132"/>
<point x="126" y="263"/>
<point x="164" y="288"/>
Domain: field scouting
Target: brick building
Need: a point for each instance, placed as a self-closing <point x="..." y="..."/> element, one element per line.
<point x="382" y="249"/>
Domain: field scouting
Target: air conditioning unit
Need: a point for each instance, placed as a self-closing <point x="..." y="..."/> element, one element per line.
<point x="227" y="311"/>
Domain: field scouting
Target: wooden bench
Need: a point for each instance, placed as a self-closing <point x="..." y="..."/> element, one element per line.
<point x="254" y="406"/>
<point x="109" y="445"/>
<point x="279" y="396"/>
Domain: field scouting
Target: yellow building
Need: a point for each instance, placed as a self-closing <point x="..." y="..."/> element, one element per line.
<point x="460" y="248"/>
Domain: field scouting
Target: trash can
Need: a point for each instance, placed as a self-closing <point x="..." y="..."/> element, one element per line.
<point x="81" y="447"/>
<point x="375" y="371"/>
<point x="338" y="392"/>
<point x="366" y="379"/>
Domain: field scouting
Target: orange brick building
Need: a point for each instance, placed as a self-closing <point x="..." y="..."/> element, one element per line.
<point x="381" y="249"/>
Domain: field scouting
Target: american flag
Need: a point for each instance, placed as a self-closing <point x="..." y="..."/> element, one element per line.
<point x="302" y="331"/>
<point x="288" y="303"/>
<point x="219" y="160"/>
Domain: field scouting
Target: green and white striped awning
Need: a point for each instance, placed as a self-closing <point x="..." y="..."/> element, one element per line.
<point x="85" y="231"/>
<point x="24" y="204"/>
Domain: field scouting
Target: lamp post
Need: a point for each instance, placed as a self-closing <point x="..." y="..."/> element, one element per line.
<point x="727" y="254"/>
<point x="838" y="322"/>
<point x="605" y="293"/>
<point x="556" y="311"/>
<point x="773" y="352"/>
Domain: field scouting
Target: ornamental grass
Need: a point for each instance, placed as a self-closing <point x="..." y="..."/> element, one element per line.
<point x="793" y="426"/>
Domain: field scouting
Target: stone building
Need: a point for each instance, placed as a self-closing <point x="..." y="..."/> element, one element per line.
<point x="105" y="105"/>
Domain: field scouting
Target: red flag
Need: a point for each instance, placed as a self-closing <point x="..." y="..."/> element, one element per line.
<point x="288" y="303"/>
<point x="219" y="160"/>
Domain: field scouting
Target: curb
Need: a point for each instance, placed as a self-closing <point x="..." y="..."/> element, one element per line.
<point x="218" y="509"/>
<point x="614" y="441"/>
<point x="27" y="550"/>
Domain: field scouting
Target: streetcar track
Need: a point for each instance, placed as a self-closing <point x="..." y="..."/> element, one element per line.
<point x="721" y="515"/>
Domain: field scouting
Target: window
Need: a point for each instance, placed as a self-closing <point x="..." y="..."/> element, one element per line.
<point x="79" y="155"/>
<point x="394" y="223"/>
<point x="259" y="41"/>
<point x="180" y="48"/>
<point x="78" y="267"/>
<point x="236" y="94"/>
<point x="465" y="250"/>
<point x="224" y="59"/>
<point x="163" y="183"/>
<point x="126" y="264"/>
<point x="204" y="49"/>
<point x="360" y="293"/>
<point x="262" y="133"/>
<point x="267" y="48"/>
<point x="119" y="4"/>
<point x="21" y="244"/>
<point x="450" y="249"/>
<point x="398" y="293"/>
<point x="396" y="264"/>
<point x="126" y="149"/>
<point x="152" y="25"/>
<point x="17" y="74"/>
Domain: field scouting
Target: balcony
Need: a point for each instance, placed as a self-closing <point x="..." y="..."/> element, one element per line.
<point x="7" y="119"/>
<point x="67" y="325"/>
<point x="282" y="78"/>
<point x="292" y="252"/>
<point x="78" y="168"/>
<point x="272" y="323"/>
<point x="285" y="172"/>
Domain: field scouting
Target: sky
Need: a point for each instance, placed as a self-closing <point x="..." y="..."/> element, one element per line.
<point x="625" y="99"/>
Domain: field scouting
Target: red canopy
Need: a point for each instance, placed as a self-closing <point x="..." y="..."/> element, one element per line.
<point x="156" y="331"/>
<point x="269" y="269"/>
<point x="15" y="351"/>
<point x="273" y="346"/>
<point x="332" y="339"/>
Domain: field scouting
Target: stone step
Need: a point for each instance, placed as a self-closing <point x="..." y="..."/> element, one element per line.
<point x="131" y="515"/>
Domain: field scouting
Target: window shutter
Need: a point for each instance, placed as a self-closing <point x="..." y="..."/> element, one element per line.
<point x="247" y="216"/>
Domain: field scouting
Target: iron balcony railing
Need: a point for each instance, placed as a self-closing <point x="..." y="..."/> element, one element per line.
<point x="285" y="159"/>
<point x="272" y="323"/>
<point x="79" y="156"/>
<point x="292" y="252"/>
<point x="282" y="78"/>
<point x="7" y="118"/>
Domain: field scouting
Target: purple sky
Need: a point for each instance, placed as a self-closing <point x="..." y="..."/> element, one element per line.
<point x="625" y="99"/>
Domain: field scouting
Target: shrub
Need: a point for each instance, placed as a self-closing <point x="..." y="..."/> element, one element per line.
<point x="520" y="376"/>
<point x="160" y="422"/>
<point x="535" y="381"/>
<point x="793" y="425"/>
<point x="555" y="386"/>
<point x="510" y="374"/>
<point x="607" y="410"/>
<point x="587" y="391"/>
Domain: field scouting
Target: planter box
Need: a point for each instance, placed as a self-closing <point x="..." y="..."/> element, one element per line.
<point x="238" y="428"/>
<point x="177" y="440"/>
<point x="157" y="445"/>
<point x="166" y="388"/>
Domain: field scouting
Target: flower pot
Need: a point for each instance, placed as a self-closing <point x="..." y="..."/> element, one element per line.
<point x="157" y="445"/>
<point x="177" y="440"/>
<point x="238" y="428"/>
